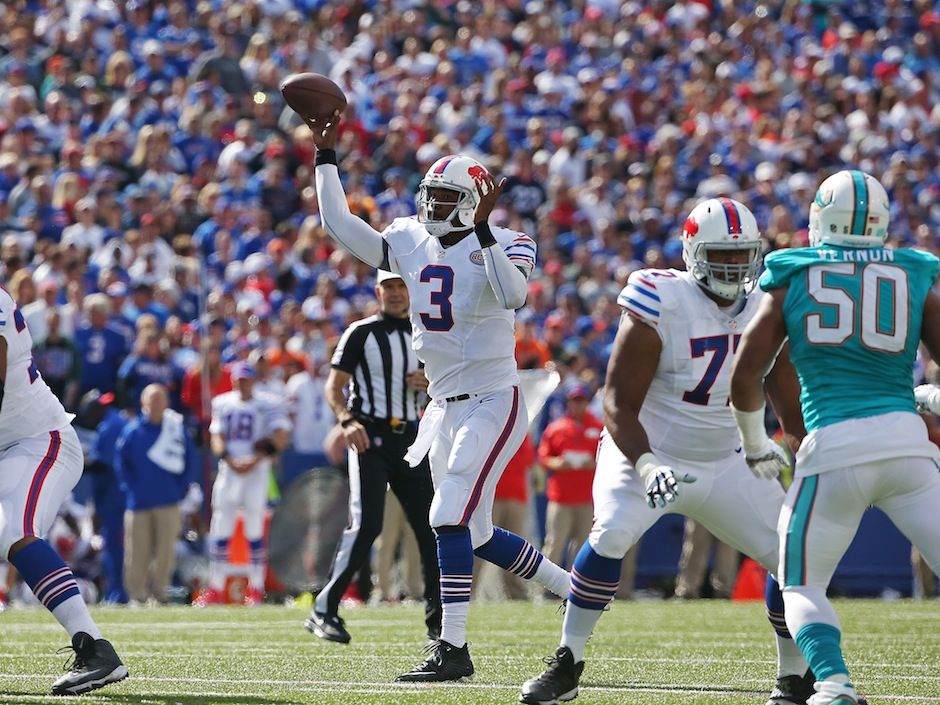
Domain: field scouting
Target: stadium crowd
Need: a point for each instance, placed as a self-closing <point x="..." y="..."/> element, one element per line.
<point x="158" y="218"/>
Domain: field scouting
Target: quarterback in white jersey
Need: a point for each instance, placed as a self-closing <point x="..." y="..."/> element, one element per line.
<point x="40" y="462"/>
<point x="465" y="280"/>
<point x="247" y="430"/>
<point x="668" y="424"/>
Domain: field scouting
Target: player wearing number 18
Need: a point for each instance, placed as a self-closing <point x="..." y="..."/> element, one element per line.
<point x="854" y="312"/>
<point x="465" y="279"/>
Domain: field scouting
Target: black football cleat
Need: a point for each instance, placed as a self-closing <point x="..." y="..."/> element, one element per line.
<point x="557" y="684"/>
<point x="445" y="662"/>
<point x="95" y="665"/>
<point x="329" y="627"/>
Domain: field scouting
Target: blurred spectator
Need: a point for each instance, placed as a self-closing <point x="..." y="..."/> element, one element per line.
<point x="694" y="564"/>
<point x="102" y="348"/>
<point x="59" y="362"/>
<point x="567" y="451"/>
<point x="511" y="511"/>
<point x="155" y="459"/>
<point x="147" y="364"/>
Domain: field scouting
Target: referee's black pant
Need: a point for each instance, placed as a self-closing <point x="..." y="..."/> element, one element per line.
<point x="369" y="473"/>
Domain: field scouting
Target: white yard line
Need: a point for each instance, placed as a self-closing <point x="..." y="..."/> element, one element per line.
<point x="385" y="688"/>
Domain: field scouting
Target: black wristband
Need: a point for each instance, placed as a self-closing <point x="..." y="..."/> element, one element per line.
<point x="224" y="455"/>
<point x="347" y="421"/>
<point x="266" y="446"/>
<point x="326" y="156"/>
<point x="484" y="234"/>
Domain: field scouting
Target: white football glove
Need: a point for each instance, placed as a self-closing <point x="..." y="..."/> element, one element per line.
<point x="764" y="457"/>
<point x="767" y="462"/>
<point x="927" y="398"/>
<point x="662" y="482"/>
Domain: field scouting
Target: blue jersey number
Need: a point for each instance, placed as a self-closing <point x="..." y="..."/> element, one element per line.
<point x="444" y="320"/>
<point x="240" y="426"/>
<point x="718" y="345"/>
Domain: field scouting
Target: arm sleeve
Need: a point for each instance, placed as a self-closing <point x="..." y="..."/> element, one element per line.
<point x="507" y="277"/>
<point x="351" y="232"/>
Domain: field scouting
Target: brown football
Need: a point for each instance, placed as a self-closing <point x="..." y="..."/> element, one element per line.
<point x="312" y="95"/>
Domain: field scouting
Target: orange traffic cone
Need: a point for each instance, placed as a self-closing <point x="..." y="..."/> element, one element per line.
<point x="751" y="581"/>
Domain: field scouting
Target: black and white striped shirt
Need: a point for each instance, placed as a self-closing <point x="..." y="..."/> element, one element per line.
<point x="377" y="352"/>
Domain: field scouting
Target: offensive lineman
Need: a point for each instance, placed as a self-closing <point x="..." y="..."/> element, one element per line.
<point x="855" y="313"/>
<point x="247" y="431"/>
<point x="41" y="462"/>
<point x="465" y="280"/>
<point x="668" y="422"/>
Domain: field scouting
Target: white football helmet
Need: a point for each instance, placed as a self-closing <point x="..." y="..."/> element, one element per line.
<point x="721" y="224"/>
<point x="455" y="173"/>
<point x="850" y="209"/>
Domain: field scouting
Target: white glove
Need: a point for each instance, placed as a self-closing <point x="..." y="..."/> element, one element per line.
<point x="662" y="483"/>
<point x="764" y="457"/>
<point x="767" y="462"/>
<point x="192" y="502"/>
<point x="927" y="398"/>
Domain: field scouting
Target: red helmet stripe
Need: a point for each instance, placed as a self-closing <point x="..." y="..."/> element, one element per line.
<point x="443" y="165"/>
<point x="731" y="213"/>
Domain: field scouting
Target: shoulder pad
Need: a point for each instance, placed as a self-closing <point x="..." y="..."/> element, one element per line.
<point x="649" y="292"/>
<point x="405" y="234"/>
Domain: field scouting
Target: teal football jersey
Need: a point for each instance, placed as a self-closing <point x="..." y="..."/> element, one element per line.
<point x="854" y="318"/>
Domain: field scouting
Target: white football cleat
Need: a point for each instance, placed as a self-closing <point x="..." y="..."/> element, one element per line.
<point x="832" y="693"/>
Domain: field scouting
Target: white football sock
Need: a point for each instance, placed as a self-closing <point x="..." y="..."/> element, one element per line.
<point x="74" y="616"/>
<point x="578" y="627"/>
<point x="218" y="570"/>
<point x="790" y="660"/>
<point x="454" y="623"/>
<point x="553" y="577"/>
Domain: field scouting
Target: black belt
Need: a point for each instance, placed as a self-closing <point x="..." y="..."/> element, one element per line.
<point x="395" y="425"/>
<point x="460" y="397"/>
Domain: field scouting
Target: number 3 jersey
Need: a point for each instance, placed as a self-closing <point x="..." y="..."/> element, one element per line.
<point x="29" y="407"/>
<point x="465" y="338"/>
<point x="854" y="320"/>
<point x="244" y="423"/>
<point x="686" y="412"/>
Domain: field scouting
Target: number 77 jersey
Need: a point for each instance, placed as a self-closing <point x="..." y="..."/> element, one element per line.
<point x="853" y="316"/>
<point x="686" y="412"/>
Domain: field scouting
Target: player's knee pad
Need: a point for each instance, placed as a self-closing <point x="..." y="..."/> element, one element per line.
<point x="450" y="502"/>
<point x="807" y="604"/>
<point x="610" y="542"/>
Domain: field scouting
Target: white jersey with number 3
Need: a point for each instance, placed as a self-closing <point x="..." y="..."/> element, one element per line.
<point x="686" y="412"/>
<point x="29" y="407"/>
<point x="465" y="338"/>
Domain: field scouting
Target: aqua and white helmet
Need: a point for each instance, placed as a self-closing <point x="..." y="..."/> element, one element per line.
<point x="456" y="173"/>
<point x="721" y="224"/>
<point x="850" y="209"/>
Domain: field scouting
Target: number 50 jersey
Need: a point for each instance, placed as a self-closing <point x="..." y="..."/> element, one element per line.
<point x="464" y="337"/>
<point x="854" y="320"/>
<point x="686" y="412"/>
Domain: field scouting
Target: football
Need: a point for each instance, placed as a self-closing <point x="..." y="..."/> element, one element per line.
<point x="312" y="95"/>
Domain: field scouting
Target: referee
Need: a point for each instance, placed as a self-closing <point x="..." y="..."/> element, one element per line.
<point x="380" y="420"/>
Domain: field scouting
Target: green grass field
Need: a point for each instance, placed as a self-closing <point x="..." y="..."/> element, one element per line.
<point x="644" y="652"/>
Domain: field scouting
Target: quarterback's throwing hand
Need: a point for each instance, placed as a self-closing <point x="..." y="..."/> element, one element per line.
<point x="768" y="463"/>
<point x="488" y="197"/>
<point x="325" y="130"/>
